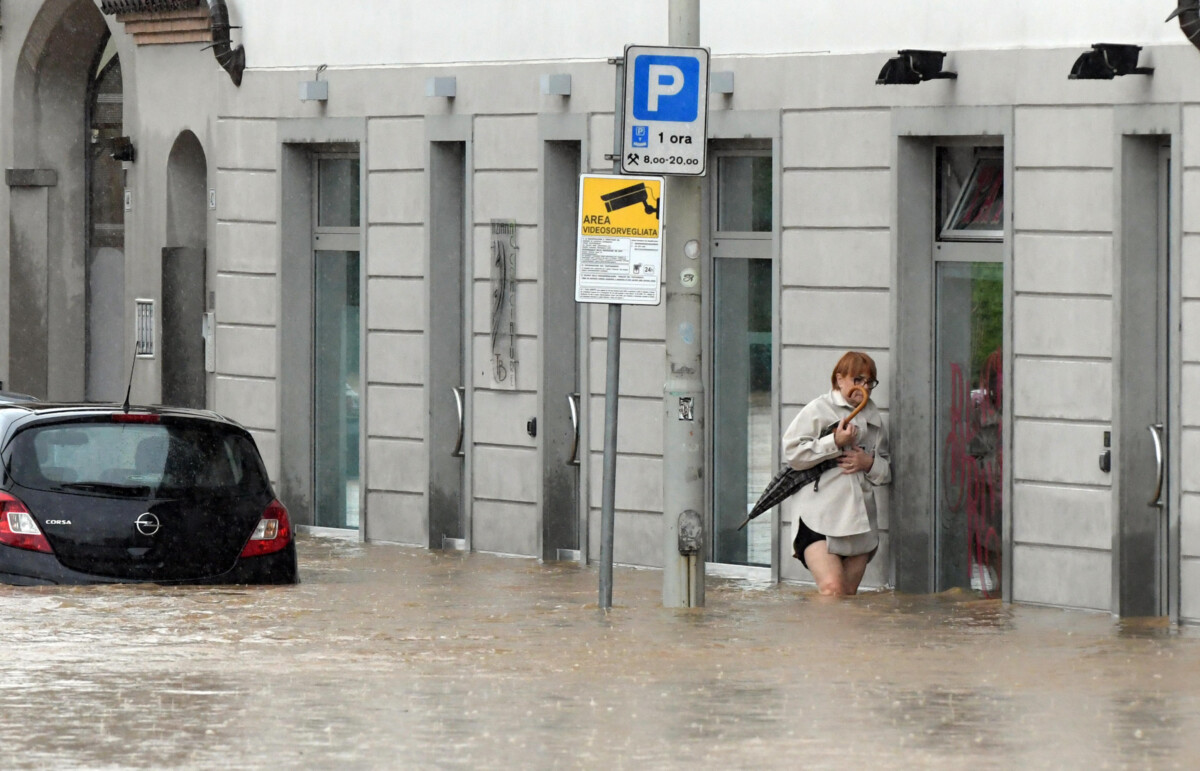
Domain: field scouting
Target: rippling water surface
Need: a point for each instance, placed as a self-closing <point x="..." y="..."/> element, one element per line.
<point x="393" y="657"/>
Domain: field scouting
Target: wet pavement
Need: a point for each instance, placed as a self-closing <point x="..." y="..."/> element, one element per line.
<point x="390" y="657"/>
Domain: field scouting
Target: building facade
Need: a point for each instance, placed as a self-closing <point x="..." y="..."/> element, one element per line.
<point x="354" y="231"/>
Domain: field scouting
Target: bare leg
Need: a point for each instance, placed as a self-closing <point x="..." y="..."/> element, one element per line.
<point x="835" y="575"/>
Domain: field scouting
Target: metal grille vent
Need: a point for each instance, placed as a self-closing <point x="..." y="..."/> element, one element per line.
<point x="143" y="346"/>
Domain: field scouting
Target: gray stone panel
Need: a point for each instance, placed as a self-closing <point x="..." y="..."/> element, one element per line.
<point x="1062" y="516"/>
<point x="805" y="374"/>
<point x="247" y="196"/>
<point x="1048" y="451"/>
<point x="1069" y="390"/>
<point x="395" y="411"/>
<point x="500" y="418"/>
<point x="1064" y="577"/>
<point x="838" y="319"/>
<point x="395" y="143"/>
<point x="246" y="144"/>
<point x="504" y="527"/>
<point x="1191" y="266"/>
<point x="396" y="358"/>
<point x="396" y="250"/>
<point x="1189" y="600"/>
<point x="506" y="195"/>
<point x="1071" y="200"/>
<point x="639" y="424"/>
<point x="505" y="473"/>
<point x="837" y="139"/>
<point x="1062" y="326"/>
<point x="836" y="258"/>
<point x="396" y="197"/>
<point x="637" y="540"/>
<point x="251" y="402"/>
<point x="1189" y="525"/>
<point x="395" y="304"/>
<point x="638" y="486"/>
<point x="396" y="517"/>
<point x="1190" y="450"/>
<point x="1191" y="330"/>
<point x="246" y="299"/>
<point x="247" y="351"/>
<point x="396" y="465"/>
<point x="506" y="142"/>
<point x="647" y="323"/>
<point x="1063" y="264"/>
<point x="600" y="142"/>
<point x="1190" y="396"/>
<point x="247" y="247"/>
<point x="837" y="199"/>
<point x="1057" y="137"/>
<point x="643" y="368"/>
<point x="268" y="447"/>
<point x="1191" y="192"/>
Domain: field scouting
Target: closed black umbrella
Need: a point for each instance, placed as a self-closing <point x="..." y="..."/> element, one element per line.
<point x="789" y="480"/>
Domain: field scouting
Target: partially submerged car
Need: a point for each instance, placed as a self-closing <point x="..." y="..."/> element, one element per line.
<point x="106" y="494"/>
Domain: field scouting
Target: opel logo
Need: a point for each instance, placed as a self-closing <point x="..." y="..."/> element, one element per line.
<point x="147" y="523"/>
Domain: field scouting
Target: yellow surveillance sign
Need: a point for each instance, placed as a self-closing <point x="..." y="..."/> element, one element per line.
<point x="619" y="258"/>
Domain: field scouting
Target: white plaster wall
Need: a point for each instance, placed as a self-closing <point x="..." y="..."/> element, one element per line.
<point x="304" y="33"/>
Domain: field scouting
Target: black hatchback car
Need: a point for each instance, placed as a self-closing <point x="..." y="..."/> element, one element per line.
<point x="104" y="494"/>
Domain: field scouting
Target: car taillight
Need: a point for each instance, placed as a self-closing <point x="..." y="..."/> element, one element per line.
<point x="18" y="527"/>
<point x="134" y="417"/>
<point x="274" y="532"/>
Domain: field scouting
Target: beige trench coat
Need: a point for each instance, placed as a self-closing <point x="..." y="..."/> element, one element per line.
<point x="839" y="505"/>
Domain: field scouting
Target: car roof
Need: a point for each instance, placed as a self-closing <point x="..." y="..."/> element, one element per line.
<point x="23" y="412"/>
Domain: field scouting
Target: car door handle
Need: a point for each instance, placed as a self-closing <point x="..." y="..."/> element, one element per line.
<point x="573" y="402"/>
<point x="459" y="395"/>
<point x="1156" y="434"/>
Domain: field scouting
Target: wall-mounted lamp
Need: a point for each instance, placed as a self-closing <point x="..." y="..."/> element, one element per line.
<point x="446" y="86"/>
<point x="122" y="150"/>
<point x="315" y="90"/>
<point x="914" y="66"/>
<point x="558" y="84"/>
<point x="720" y="82"/>
<point x="1106" y="61"/>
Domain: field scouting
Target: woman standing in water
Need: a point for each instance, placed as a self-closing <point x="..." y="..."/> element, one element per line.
<point x="834" y="528"/>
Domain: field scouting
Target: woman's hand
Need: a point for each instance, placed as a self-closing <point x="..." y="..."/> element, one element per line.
<point x="844" y="436"/>
<point x="855" y="459"/>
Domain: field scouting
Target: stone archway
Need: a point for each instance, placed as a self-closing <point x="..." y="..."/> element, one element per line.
<point x="49" y="199"/>
<point x="183" y="274"/>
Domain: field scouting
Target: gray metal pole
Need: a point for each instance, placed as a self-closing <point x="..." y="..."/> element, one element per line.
<point x="683" y="391"/>
<point x="612" y="383"/>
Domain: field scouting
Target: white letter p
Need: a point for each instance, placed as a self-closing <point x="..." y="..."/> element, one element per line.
<point x="656" y="86"/>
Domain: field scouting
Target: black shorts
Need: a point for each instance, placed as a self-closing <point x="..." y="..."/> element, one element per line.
<point x="805" y="537"/>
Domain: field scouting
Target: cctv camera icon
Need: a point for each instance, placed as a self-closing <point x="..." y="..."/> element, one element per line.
<point x="628" y="196"/>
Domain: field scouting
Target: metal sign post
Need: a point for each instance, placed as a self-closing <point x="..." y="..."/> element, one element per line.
<point x="618" y="262"/>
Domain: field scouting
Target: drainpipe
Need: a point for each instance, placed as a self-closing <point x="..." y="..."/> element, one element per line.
<point x="232" y="60"/>
<point x="1189" y="19"/>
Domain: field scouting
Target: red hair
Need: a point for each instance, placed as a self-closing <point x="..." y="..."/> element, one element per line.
<point x="853" y="364"/>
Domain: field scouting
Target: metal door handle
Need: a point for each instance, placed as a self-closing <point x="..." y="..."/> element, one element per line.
<point x="573" y="401"/>
<point x="459" y="394"/>
<point x="1156" y="434"/>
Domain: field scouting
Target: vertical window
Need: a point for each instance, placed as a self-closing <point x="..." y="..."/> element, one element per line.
<point x="968" y="358"/>
<point x="743" y="417"/>
<point x="337" y="386"/>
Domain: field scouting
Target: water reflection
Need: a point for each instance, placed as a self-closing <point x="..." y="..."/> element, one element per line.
<point x="389" y="656"/>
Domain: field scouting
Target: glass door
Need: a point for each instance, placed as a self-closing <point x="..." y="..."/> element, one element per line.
<point x="968" y="371"/>
<point x="337" y="385"/>
<point x="743" y="416"/>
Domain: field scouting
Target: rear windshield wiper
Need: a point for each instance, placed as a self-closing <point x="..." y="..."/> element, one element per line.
<point x="107" y="487"/>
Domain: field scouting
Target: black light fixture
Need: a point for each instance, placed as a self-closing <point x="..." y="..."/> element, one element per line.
<point x="1108" y="60"/>
<point x="913" y="66"/>
<point x="122" y="149"/>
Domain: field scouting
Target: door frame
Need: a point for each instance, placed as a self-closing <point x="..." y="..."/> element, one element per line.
<point x="1145" y="576"/>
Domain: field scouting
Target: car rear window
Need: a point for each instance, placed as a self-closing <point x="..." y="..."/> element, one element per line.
<point x="128" y="458"/>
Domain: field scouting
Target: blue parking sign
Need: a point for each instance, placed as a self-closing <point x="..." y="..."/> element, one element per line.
<point x="665" y="115"/>
<point x="666" y="88"/>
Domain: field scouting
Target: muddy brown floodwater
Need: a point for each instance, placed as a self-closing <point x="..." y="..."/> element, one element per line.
<point x="388" y="657"/>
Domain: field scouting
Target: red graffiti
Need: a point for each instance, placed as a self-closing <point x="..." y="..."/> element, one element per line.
<point x="972" y="466"/>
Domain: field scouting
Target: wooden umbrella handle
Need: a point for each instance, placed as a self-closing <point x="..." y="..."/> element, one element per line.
<point x="866" y="395"/>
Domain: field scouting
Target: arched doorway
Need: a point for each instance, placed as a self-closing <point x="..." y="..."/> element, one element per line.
<point x="49" y="198"/>
<point x="184" y="295"/>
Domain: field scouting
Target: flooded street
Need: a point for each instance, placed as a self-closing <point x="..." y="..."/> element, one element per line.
<point x="391" y="657"/>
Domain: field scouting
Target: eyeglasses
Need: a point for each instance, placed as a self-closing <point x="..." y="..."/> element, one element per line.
<point x="861" y="380"/>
